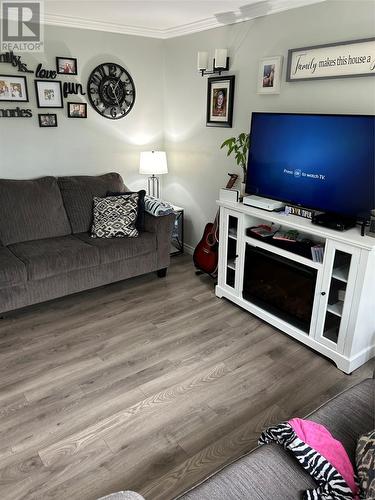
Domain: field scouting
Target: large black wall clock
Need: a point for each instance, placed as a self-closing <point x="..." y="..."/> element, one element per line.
<point x="111" y="91"/>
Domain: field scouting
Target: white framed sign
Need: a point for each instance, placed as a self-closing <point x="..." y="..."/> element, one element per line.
<point x="333" y="60"/>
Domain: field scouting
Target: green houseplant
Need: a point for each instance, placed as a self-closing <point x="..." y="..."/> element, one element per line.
<point x="239" y="146"/>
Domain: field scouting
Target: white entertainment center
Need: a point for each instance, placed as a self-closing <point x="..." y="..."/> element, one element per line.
<point x="337" y="295"/>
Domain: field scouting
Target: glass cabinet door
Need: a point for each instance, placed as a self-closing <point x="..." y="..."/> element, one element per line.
<point x="231" y="256"/>
<point x="336" y="295"/>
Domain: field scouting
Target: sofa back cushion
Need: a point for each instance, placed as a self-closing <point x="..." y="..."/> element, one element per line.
<point x="78" y="194"/>
<point x="31" y="210"/>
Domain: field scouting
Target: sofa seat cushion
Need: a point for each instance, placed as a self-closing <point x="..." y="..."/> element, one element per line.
<point x="54" y="256"/>
<point x="78" y="193"/>
<point x="12" y="269"/>
<point x="31" y="210"/>
<point x="116" y="249"/>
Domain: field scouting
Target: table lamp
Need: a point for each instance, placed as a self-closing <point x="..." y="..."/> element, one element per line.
<point x="154" y="163"/>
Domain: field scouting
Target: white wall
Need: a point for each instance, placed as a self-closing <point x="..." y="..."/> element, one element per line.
<point x="95" y="145"/>
<point x="197" y="166"/>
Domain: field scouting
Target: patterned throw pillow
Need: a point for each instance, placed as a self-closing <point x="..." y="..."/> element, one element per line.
<point x="365" y="461"/>
<point x="115" y="216"/>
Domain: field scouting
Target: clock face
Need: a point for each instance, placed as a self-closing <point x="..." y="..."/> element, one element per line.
<point x="111" y="91"/>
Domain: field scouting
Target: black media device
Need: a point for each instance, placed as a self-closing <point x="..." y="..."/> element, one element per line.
<point x="334" y="221"/>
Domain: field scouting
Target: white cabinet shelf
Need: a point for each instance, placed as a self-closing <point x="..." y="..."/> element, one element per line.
<point x="341" y="273"/>
<point x="336" y="308"/>
<point x="344" y="330"/>
<point x="232" y="264"/>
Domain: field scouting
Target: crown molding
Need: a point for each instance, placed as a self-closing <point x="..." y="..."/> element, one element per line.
<point x="181" y="30"/>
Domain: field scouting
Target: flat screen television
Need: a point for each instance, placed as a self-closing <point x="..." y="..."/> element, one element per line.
<point x="323" y="162"/>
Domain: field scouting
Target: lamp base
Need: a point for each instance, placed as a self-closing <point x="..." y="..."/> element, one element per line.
<point x="153" y="186"/>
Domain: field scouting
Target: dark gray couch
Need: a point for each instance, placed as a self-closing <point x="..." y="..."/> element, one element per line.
<point x="269" y="472"/>
<point x="45" y="247"/>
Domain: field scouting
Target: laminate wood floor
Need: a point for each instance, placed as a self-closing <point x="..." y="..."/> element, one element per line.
<point x="148" y="384"/>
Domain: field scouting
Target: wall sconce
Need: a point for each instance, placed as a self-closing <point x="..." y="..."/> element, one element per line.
<point x="220" y="62"/>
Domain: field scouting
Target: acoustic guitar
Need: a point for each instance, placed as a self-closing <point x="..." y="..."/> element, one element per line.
<point x="206" y="254"/>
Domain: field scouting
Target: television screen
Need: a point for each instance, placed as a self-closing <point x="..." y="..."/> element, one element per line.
<point x="324" y="162"/>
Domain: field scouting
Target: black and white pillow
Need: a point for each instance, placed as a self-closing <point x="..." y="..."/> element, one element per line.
<point x="115" y="216"/>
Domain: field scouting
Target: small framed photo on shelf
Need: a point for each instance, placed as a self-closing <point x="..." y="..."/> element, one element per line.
<point x="220" y="94"/>
<point x="269" y="75"/>
<point x="13" y="89"/>
<point x="48" y="94"/>
<point x="47" y="120"/>
<point x="66" y="66"/>
<point x="77" y="110"/>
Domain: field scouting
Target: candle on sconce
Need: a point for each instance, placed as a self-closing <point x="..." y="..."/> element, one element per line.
<point x="221" y="58"/>
<point x="202" y="61"/>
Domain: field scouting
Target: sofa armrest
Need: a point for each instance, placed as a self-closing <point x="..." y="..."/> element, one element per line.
<point x="163" y="227"/>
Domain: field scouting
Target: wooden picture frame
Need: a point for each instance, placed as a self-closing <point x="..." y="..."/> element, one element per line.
<point x="49" y="94"/>
<point x="77" y="109"/>
<point x="349" y="59"/>
<point x="13" y="88"/>
<point x="66" y="66"/>
<point x="47" y="120"/>
<point x="220" y="96"/>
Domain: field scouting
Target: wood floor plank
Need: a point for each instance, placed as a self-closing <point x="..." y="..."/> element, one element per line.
<point x="145" y="384"/>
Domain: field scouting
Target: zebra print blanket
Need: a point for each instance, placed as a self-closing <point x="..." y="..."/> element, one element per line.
<point x="157" y="207"/>
<point x="331" y="484"/>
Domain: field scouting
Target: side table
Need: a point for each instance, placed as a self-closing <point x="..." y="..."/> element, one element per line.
<point x="177" y="241"/>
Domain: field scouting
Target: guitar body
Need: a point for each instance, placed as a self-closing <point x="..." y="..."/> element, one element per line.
<point x="206" y="253"/>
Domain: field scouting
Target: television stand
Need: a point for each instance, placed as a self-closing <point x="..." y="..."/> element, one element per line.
<point x="327" y="305"/>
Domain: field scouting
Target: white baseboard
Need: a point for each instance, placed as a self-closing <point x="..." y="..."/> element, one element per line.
<point x="188" y="249"/>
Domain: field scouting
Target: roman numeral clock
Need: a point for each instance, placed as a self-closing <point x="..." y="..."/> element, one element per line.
<point x="111" y="91"/>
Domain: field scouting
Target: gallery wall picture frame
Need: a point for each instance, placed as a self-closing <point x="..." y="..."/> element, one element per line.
<point x="269" y="75"/>
<point x="347" y="59"/>
<point x="66" y="66"/>
<point x="77" y="110"/>
<point x="220" y="96"/>
<point x="13" y="88"/>
<point x="49" y="94"/>
<point x="47" y="120"/>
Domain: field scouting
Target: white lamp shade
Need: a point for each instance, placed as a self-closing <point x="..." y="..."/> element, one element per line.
<point x="202" y="60"/>
<point x="221" y="58"/>
<point x="153" y="162"/>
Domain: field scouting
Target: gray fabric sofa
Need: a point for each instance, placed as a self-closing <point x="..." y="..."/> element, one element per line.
<point x="270" y="473"/>
<point x="45" y="247"/>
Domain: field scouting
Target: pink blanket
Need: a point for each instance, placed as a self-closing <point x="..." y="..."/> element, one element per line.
<point x="319" y="438"/>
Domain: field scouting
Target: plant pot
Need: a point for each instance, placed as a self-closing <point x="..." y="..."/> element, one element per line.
<point x="243" y="189"/>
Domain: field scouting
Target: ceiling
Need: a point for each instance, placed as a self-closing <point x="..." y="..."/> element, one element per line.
<point x="160" y="18"/>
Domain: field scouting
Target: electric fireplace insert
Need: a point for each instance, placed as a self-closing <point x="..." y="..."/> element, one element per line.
<point x="280" y="286"/>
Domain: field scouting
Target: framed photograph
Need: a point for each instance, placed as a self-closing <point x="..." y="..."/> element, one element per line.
<point x="332" y="60"/>
<point x="269" y="75"/>
<point x="220" y="95"/>
<point x="47" y="120"/>
<point x="66" y="66"/>
<point x="48" y="94"/>
<point x="77" y="110"/>
<point x="13" y="89"/>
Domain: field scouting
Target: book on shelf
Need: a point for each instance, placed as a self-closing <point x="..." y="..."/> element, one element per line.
<point x="265" y="230"/>
<point x="291" y="236"/>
